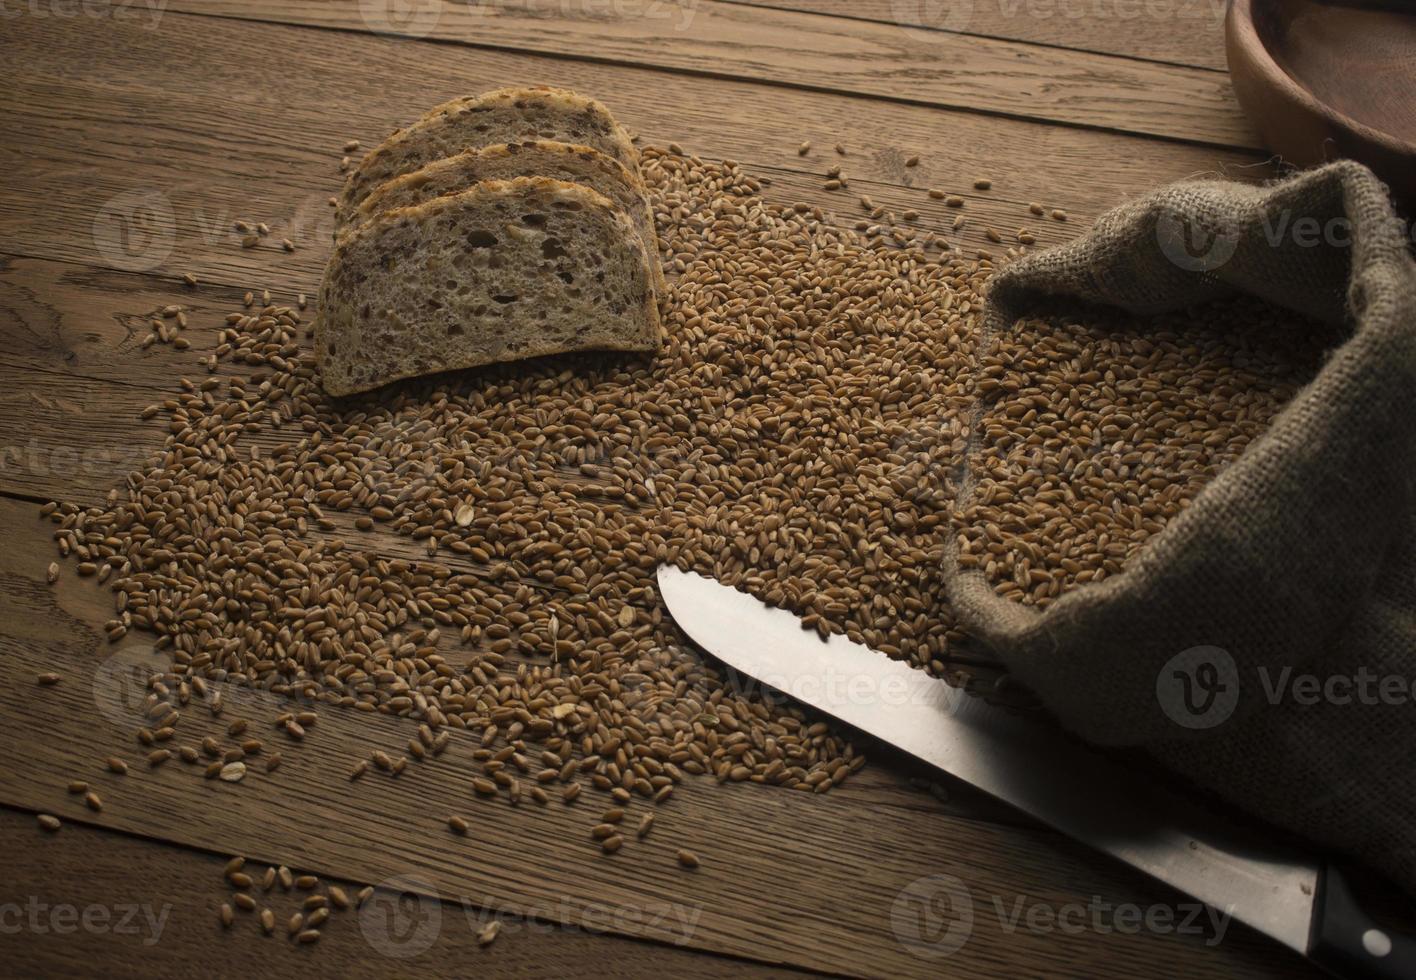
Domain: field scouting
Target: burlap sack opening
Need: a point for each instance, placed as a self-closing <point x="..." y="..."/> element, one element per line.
<point x="1300" y="555"/>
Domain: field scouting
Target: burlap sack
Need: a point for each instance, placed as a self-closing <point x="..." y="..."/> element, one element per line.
<point x="1300" y="555"/>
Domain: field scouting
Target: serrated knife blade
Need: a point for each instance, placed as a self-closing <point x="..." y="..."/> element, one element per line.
<point x="1028" y="764"/>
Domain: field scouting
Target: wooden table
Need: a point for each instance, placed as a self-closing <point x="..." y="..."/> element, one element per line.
<point x="134" y="136"/>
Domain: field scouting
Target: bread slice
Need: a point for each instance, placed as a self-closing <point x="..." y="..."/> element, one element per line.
<point x="504" y="270"/>
<point x="506" y="115"/>
<point x="507" y="161"/>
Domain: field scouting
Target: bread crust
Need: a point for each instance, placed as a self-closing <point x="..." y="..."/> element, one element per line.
<point x="444" y="131"/>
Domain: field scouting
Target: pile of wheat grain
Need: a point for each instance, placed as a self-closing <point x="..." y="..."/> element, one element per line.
<point x="1096" y="431"/>
<point x="802" y="436"/>
<point x="797" y="436"/>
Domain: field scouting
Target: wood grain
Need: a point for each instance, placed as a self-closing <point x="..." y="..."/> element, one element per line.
<point x="145" y="910"/>
<point x="776" y="865"/>
<point x="1180" y="32"/>
<point x="80" y="383"/>
<point x="140" y="142"/>
<point x="142" y="147"/>
<point x="788" y="47"/>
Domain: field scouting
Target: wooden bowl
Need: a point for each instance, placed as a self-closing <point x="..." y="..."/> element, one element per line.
<point x="1324" y="79"/>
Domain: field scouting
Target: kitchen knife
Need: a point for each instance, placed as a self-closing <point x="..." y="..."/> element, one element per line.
<point x="1302" y="902"/>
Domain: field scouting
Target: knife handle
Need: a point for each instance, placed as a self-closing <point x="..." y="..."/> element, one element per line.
<point x="1348" y="943"/>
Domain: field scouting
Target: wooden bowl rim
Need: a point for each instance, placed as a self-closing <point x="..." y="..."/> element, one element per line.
<point x="1244" y="38"/>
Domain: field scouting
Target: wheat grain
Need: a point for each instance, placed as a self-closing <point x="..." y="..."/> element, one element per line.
<point x="232" y="772"/>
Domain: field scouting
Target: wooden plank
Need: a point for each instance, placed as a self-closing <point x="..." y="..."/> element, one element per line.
<point x="937" y="68"/>
<point x="1179" y="32"/>
<point x="786" y="877"/>
<point x="87" y="897"/>
<point x="72" y="425"/>
<point x="127" y="166"/>
<point x="75" y="332"/>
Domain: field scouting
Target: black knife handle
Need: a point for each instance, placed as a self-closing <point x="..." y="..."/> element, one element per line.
<point x="1349" y="944"/>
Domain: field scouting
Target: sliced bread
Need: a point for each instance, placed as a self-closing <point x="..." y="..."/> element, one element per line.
<point x="507" y="161"/>
<point x="506" y="115"/>
<point x="501" y="271"/>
